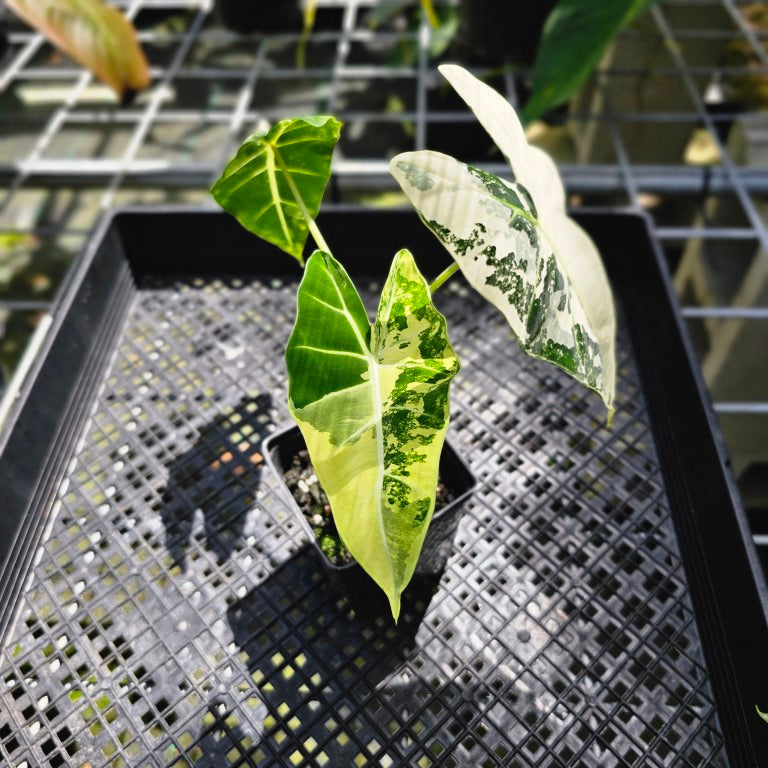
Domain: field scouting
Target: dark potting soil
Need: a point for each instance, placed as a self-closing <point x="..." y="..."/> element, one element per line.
<point x="305" y="488"/>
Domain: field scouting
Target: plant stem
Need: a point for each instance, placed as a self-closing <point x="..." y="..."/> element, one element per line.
<point x="309" y="23"/>
<point x="314" y="231"/>
<point x="429" y="12"/>
<point x="311" y="225"/>
<point x="443" y="276"/>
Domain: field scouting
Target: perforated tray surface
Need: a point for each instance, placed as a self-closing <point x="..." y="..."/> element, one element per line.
<point x="175" y="616"/>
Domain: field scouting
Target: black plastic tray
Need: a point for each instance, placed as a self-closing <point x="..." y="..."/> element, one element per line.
<point x="601" y="607"/>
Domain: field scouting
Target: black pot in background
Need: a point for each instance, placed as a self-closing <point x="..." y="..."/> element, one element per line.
<point x="503" y="30"/>
<point x="246" y="16"/>
<point x="362" y="592"/>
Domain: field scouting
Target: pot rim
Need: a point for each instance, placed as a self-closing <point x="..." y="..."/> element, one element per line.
<point x="286" y="431"/>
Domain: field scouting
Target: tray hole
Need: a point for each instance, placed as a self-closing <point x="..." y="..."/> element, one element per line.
<point x="662" y="749"/>
<point x="16" y="691"/>
<point x="35" y="628"/>
<point x="673" y="736"/>
<point x="57" y="760"/>
<point x="170" y="717"/>
<point x="52" y="712"/>
<point x="83" y="671"/>
<point x="533" y="745"/>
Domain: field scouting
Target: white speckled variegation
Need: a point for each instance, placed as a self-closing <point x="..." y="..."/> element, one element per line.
<point x="516" y="244"/>
<point x="372" y="404"/>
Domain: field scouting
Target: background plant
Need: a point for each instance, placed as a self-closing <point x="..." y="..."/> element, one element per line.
<point x="575" y="36"/>
<point x="96" y="35"/>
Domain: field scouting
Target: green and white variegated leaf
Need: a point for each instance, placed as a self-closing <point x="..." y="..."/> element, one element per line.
<point x="492" y="230"/>
<point x="372" y="404"/>
<point x="576" y="255"/>
<point x="275" y="182"/>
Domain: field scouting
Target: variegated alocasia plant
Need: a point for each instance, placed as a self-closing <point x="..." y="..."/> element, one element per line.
<point x="372" y="399"/>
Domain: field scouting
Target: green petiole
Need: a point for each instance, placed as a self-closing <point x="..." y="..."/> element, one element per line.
<point x="443" y="276"/>
<point x="314" y="230"/>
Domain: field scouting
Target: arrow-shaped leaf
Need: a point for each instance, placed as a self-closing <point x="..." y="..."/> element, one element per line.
<point x="372" y="403"/>
<point x="96" y="35"/>
<point x="539" y="246"/>
<point x="274" y="184"/>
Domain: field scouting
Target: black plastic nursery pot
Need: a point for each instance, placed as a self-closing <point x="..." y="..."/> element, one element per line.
<point x="601" y="605"/>
<point x="362" y="592"/>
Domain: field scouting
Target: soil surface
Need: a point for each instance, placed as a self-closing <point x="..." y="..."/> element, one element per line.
<point x="305" y="488"/>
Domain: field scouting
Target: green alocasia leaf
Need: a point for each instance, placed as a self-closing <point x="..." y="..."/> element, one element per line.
<point x="372" y="404"/>
<point x="572" y="42"/>
<point x="535" y="242"/>
<point x="275" y="182"/>
<point x="96" y="35"/>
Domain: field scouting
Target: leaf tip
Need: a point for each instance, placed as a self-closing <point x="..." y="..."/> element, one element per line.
<point x="394" y="604"/>
<point x="320" y="121"/>
<point x="447" y="70"/>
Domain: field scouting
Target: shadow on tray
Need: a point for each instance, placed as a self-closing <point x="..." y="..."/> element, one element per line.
<point x="218" y="476"/>
<point x="322" y="674"/>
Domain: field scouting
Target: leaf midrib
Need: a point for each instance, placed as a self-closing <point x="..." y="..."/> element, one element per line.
<point x="377" y="412"/>
<point x="273" y="160"/>
<point x="271" y="153"/>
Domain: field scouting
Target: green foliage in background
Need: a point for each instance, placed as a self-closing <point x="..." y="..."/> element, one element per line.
<point x="575" y="36"/>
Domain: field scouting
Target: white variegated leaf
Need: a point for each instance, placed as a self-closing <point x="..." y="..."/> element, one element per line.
<point x="576" y="254"/>
<point x="372" y="404"/>
<point x="491" y="229"/>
